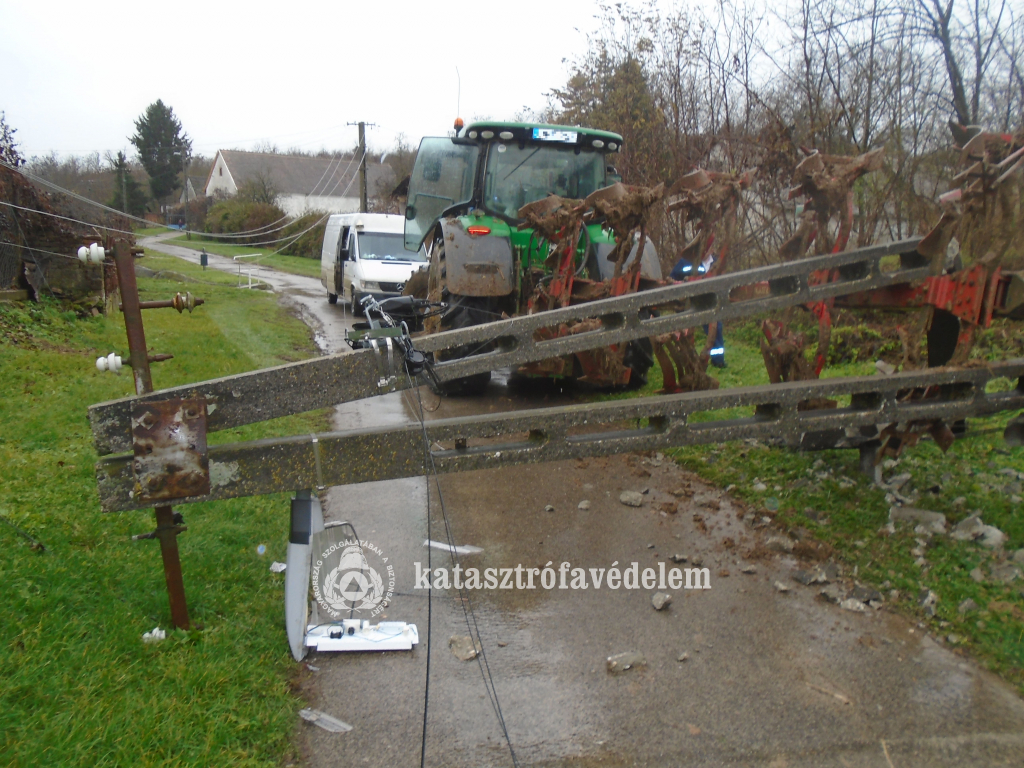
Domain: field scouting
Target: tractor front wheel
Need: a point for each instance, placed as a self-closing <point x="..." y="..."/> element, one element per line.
<point x="464" y="312"/>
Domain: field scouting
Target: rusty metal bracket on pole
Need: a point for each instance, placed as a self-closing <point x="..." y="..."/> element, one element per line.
<point x="166" y="530"/>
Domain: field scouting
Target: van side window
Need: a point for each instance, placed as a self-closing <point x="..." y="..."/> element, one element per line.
<point x="343" y="244"/>
<point x="353" y="246"/>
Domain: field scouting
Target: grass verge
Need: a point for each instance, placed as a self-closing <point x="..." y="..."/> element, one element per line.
<point x="825" y="494"/>
<point x="296" y="265"/>
<point x="79" y="685"/>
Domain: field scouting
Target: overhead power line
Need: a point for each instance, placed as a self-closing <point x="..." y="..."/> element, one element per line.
<point x="248" y="233"/>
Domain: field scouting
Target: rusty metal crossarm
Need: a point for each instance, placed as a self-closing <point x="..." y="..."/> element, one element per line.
<point x="323" y="382"/>
<point x="549" y="434"/>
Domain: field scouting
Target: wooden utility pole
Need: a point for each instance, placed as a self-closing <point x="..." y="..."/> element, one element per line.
<point x="363" y="205"/>
<point x="362" y="167"/>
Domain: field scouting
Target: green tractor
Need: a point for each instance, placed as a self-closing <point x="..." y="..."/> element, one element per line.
<point x="518" y="218"/>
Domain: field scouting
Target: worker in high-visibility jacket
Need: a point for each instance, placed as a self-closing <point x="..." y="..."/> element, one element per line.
<point x="683" y="271"/>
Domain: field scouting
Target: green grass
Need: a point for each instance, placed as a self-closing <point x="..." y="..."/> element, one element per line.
<point x="830" y="484"/>
<point x="296" y="265"/>
<point x="79" y="686"/>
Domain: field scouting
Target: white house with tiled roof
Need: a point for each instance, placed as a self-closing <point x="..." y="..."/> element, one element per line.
<point x="303" y="183"/>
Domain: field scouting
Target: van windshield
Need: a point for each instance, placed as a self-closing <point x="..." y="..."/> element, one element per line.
<point x="386" y="247"/>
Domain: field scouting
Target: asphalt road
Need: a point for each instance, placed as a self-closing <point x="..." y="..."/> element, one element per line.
<point x="781" y="680"/>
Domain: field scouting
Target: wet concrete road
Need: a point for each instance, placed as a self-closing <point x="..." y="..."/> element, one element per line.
<point x="772" y="679"/>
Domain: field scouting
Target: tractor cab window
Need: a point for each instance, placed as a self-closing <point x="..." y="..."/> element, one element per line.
<point x="517" y="176"/>
<point x="441" y="178"/>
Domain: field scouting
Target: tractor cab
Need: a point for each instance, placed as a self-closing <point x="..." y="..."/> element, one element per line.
<point x="499" y="167"/>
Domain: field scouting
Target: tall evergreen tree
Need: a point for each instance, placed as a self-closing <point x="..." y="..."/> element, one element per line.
<point x="161" y="144"/>
<point x="127" y="188"/>
<point x="8" y="147"/>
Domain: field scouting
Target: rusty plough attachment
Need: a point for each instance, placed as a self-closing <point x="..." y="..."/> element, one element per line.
<point x="707" y="207"/>
<point x="961" y="294"/>
<point x="626" y="211"/>
<point x="826" y="182"/>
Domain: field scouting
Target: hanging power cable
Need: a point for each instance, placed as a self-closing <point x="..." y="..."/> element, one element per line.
<point x="416" y="363"/>
<point x="67" y="218"/>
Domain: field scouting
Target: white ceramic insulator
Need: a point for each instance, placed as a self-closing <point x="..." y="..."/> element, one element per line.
<point x="111" y="362"/>
<point x="83" y="254"/>
<point x="96" y="253"/>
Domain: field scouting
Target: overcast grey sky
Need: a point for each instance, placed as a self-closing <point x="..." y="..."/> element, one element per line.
<point x="77" y="74"/>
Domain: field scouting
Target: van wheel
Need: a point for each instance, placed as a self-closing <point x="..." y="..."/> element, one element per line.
<point x="332" y="298"/>
<point x="354" y="299"/>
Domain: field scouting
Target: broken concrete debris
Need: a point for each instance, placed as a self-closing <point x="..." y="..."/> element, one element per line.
<point x="631" y="498"/>
<point x="927" y="600"/>
<point x="973" y="529"/>
<point x="832" y="594"/>
<point x="464" y="647"/>
<point x="1005" y="572"/>
<point x="780" y="587"/>
<point x="661" y="600"/>
<point x="779" y="544"/>
<point x="325" y="721"/>
<point x="622" y="662"/>
<point x="933" y="522"/>
<point x="819" y="574"/>
<point x="896" y="482"/>
<point x="583" y="506"/>
<point x="966" y="606"/>
<point x="865" y="594"/>
<point x="155" y="635"/>
<point x="851" y="604"/>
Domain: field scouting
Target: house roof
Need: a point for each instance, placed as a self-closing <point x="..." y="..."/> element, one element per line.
<point x="301" y="174"/>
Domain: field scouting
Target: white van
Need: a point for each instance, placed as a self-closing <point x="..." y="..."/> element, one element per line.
<point x="364" y="253"/>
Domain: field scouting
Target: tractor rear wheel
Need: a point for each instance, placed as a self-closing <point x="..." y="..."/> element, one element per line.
<point x="462" y="312"/>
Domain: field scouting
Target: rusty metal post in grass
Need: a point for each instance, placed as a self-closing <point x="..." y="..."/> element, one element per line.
<point x="166" y="528"/>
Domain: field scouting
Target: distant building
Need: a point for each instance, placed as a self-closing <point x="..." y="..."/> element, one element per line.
<point x="302" y="183"/>
<point x="193" y="190"/>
